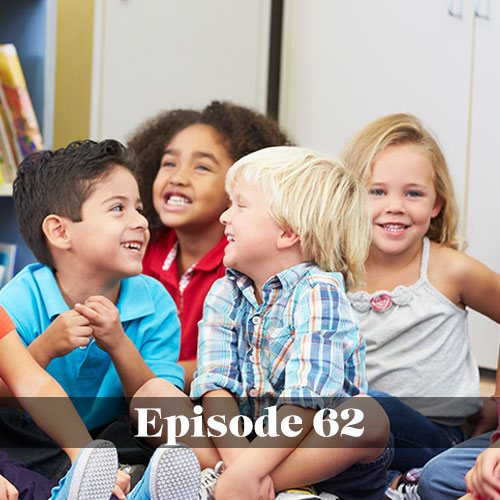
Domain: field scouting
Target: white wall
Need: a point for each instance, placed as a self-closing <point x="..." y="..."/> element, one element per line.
<point x="151" y="55"/>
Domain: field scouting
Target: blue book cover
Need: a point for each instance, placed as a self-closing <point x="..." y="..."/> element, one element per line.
<point x="7" y="261"/>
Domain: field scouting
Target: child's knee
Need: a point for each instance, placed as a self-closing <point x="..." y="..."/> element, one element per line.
<point x="153" y="388"/>
<point x="162" y="394"/>
<point x="375" y="422"/>
<point x="376" y="428"/>
<point x="156" y="387"/>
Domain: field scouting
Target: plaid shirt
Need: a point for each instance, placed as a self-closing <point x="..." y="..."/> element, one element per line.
<point x="301" y="346"/>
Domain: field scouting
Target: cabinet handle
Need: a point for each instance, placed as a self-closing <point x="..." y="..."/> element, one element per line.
<point x="477" y="9"/>
<point x="455" y="12"/>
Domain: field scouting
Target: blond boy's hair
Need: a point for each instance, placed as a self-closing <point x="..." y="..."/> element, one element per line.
<point x="365" y="146"/>
<point x="317" y="198"/>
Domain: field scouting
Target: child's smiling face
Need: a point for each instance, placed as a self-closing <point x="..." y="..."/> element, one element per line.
<point x="111" y="238"/>
<point x="189" y="189"/>
<point x="403" y="199"/>
<point x="251" y="232"/>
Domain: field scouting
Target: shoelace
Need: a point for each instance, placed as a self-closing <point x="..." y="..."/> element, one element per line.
<point x="208" y="478"/>
<point x="403" y="492"/>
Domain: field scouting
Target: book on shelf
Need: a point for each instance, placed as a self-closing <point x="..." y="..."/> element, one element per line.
<point x="19" y="131"/>
<point x="7" y="260"/>
<point x="8" y="160"/>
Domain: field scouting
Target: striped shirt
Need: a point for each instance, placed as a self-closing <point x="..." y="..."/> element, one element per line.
<point x="301" y="346"/>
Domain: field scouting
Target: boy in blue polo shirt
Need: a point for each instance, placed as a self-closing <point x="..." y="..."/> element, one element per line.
<point x="84" y="312"/>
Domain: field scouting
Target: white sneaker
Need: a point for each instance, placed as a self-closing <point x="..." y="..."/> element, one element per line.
<point x="304" y="493"/>
<point x="173" y="473"/>
<point x="208" y="479"/>
<point x="403" y="492"/>
<point x="92" y="476"/>
<point x="328" y="496"/>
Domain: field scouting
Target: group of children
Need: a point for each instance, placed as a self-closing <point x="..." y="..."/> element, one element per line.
<point x="274" y="275"/>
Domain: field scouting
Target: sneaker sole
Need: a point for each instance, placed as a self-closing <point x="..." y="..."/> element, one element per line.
<point x="175" y="474"/>
<point x="95" y="473"/>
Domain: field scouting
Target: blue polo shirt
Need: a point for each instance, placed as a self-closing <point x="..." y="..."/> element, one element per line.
<point x="149" y="317"/>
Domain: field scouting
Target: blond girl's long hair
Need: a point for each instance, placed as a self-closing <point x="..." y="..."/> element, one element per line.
<point x="365" y="146"/>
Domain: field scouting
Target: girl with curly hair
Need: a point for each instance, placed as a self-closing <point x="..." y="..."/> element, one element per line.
<point x="184" y="156"/>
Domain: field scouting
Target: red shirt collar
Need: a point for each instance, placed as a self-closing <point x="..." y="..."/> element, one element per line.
<point x="210" y="260"/>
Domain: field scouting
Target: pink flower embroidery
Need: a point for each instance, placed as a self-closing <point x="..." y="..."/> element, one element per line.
<point x="381" y="302"/>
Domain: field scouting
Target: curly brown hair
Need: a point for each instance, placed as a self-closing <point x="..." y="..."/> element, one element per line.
<point x="242" y="130"/>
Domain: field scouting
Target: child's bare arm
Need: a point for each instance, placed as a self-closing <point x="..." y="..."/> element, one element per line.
<point x="228" y="446"/>
<point x="111" y="338"/>
<point x="479" y="289"/>
<point x="41" y="396"/>
<point x="478" y="286"/>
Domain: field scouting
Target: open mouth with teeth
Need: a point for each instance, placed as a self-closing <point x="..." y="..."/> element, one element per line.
<point x="135" y="246"/>
<point x="393" y="228"/>
<point x="176" y="200"/>
<point x="230" y="238"/>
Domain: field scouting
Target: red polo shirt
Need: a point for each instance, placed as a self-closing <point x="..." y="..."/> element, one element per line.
<point x="188" y="291"/>
<point x="6" y="324"/>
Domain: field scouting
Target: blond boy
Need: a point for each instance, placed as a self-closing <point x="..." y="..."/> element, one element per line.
<point x="278" y="328"/>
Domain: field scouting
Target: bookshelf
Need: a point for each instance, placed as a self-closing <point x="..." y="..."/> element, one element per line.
<point x="31" y="26"/>
<point x="5" y="189"/>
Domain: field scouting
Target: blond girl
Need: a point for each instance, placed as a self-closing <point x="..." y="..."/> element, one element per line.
<point x="412" y="305"/>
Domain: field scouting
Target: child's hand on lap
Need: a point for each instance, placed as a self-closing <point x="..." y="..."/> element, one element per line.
<point x="483" y="480"/>
<point x="122" y="486"/>
<point x="7" y="490"/>
<point x="105" y="320"/>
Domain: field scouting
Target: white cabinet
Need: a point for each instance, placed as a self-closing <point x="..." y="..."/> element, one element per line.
<point x="483" y="221"/>
<point x="345" y="63"/>
<point x="162" y="54"/>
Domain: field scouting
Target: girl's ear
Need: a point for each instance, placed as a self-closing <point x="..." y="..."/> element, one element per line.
<point x="438" y="205"/>
<point x="287" y="239"/>
<point x="56" y="231"/>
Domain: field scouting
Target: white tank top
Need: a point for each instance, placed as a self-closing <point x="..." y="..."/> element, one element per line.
<point x="417" y="346"/>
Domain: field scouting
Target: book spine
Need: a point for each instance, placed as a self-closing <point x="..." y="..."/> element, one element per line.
<point x="22" y="115"/>
<point x="10" y="160"/>
<point x="8" y="130"/>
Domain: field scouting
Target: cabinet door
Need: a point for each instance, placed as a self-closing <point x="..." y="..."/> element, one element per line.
<point x="483" y="222"/>
<point x="346" y="63"/>
<point x="162" y="54"/>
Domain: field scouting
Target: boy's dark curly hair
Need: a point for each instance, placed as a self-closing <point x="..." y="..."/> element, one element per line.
<point x="58" y="182"/>
<point x="242" y="130"/>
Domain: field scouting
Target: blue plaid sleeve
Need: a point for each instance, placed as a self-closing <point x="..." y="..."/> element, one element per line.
<point x="217" y="366"/>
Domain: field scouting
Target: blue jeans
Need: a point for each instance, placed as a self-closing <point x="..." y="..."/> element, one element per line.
<point x="443" y="478"/>
<point x="417" y="439"/>
<point x="366" y="481"/>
